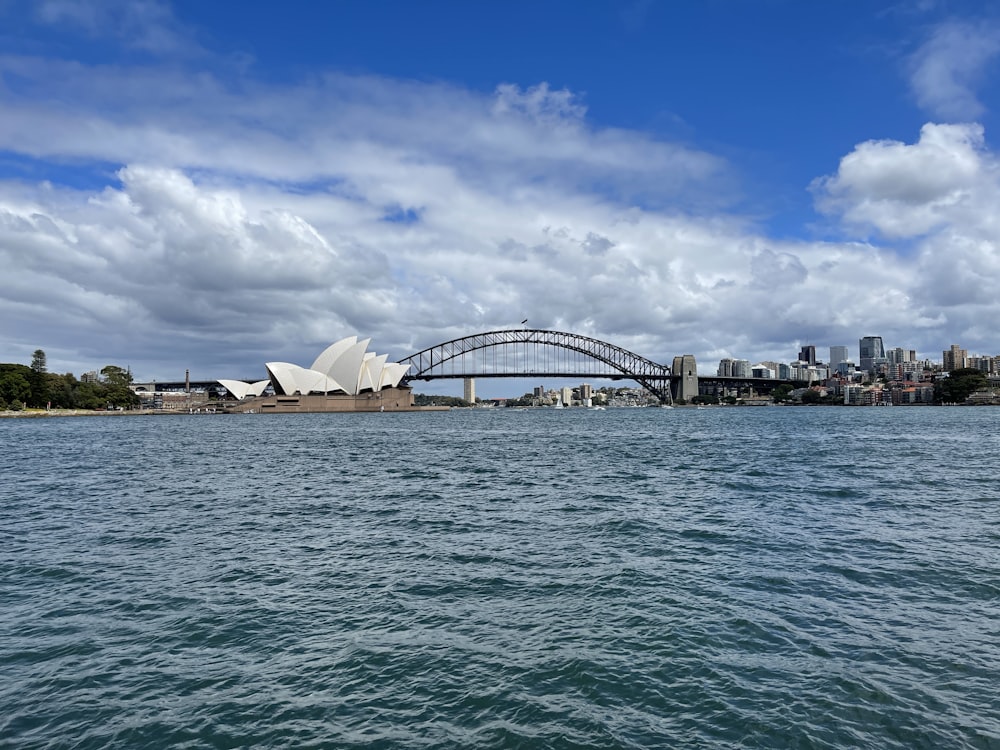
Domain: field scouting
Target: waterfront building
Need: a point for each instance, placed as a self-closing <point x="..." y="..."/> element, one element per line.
<point x="916" y="394"/>
<point x="344" y="377"/>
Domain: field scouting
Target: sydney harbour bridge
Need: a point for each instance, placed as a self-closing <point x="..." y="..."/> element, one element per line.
<point x="540" y="353"/>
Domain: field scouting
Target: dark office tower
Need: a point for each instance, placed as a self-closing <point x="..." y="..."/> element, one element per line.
<point x="807" y="354"/>
<point x="872" y="353"/>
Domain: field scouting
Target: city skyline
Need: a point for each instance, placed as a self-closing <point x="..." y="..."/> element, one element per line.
<point x="203" y="187"/>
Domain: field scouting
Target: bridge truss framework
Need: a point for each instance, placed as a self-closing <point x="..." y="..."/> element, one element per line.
<point x="532" y="352"/>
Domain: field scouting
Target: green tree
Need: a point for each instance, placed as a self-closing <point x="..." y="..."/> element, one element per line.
<point x="116" y="387"/>
<point x="959" y="385"/>
<point x="421" y="399"/>
<point x="812" y="397"/>
<point x="89" y="396"/>
<point x="61" y="390"/>
<point x="38" y="380"/>
<point x="14" y="383"/>
<point x="38" y="361"/>
<point x="115" y="375"/>
<point x="780" y="394"/>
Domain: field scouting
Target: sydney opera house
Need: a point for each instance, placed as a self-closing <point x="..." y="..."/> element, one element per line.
<point x="344" y="377"/>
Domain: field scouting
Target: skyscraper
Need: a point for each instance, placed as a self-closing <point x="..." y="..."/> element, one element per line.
<point x="838" y="354"/>
<point x="872" y="353"/>
<point x="807" y="354"/>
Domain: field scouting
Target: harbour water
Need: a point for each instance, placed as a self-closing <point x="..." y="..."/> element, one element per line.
<point x="635" y="578"/>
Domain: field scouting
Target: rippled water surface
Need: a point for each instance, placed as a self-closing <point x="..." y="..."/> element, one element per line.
<point x="768" y="578"/>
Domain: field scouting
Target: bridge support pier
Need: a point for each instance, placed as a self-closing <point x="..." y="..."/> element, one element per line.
<point x="684" y="383"/>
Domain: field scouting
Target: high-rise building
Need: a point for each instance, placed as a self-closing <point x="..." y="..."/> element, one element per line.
<point x="954" y="358"/>
<point x="838" y="354"/>
<point x="807" y="354"/>
<point x="899" y="355"/>
<point x="872" y="353"/>
<point x="725" y="369"/>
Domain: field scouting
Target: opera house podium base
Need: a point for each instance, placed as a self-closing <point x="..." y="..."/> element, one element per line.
<point x="387" y="399"/>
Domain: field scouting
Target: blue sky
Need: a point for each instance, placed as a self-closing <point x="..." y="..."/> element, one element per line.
<point x="215" y="185"/>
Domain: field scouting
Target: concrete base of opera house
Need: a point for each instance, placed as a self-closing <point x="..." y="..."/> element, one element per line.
<point x="388" y="399"/>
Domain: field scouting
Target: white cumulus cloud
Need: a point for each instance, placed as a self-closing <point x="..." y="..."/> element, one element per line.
<point x="906" y="190"/>
<point x="947" y="68"/>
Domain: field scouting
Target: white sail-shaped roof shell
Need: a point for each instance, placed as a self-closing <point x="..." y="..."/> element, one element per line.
<point x="236" y="387"/>
<point x="258" y="388"/>
<point x="371" y="372"/>
<point x="391" y="374"/>
<point x="324" y="362"/>
<point x="346" y="370"/>
<point x="241" y="390"/>
<point x="293" y="379"/>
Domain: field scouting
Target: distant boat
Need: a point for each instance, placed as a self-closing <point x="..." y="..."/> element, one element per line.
<point x="597" y="408"/>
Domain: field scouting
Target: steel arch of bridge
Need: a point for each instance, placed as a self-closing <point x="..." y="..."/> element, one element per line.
<point x="433" y="363"/>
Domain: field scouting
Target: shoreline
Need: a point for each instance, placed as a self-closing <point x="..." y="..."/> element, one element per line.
<point x="46" y="413"/>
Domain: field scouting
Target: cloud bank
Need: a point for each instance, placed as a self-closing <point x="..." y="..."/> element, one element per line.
<point x="208" y="222"/>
